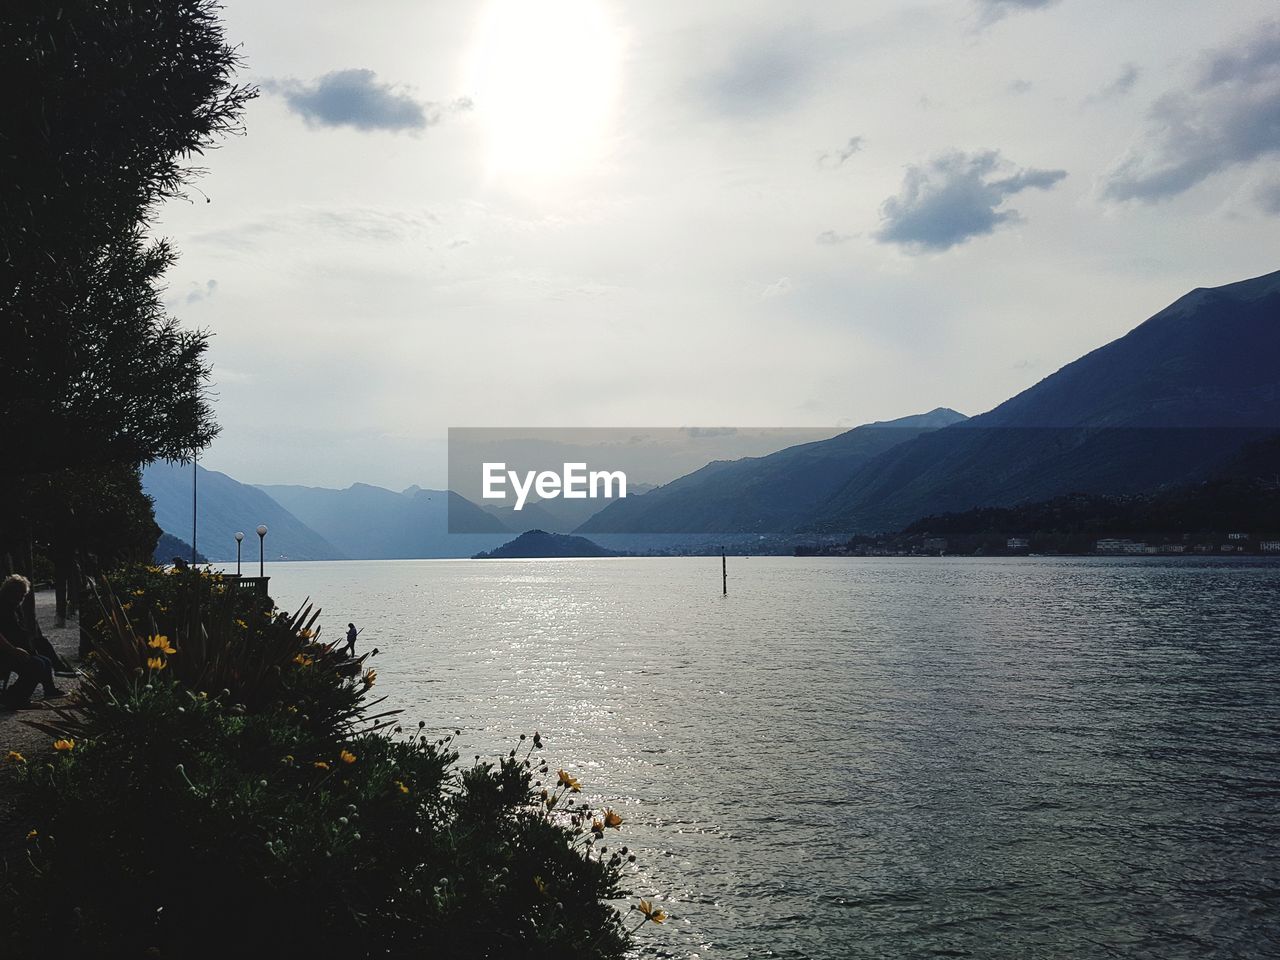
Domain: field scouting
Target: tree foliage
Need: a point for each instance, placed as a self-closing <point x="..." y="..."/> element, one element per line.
<point x="107" y="107"/>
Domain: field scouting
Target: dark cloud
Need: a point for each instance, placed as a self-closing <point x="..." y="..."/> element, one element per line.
<point x="1120" y="86"/>
<point x="836" y="158"/>
<point x="956" y="197"/>
<point x="356" y="98"/>
<point x="1229" y="116"/>
<point x="993" y="10"/>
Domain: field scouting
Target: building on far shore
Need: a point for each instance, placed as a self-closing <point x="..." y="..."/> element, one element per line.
<point x="1269" y="546"/>
<point x="1018" y="543"/>
<point x="1114" y="545"/>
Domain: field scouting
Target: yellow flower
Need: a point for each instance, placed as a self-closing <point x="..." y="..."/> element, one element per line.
<point x="320" y="765"/>
<point x="33" y="834"/>
<point x="302" y="660"/>
<point x="306" y="634"/>
<point x="242" y="625"/>
<point x="597" y="826"/>
<point x="64" y="745"/>
<point x="370" y="676"/>
<point x="611" y="819"/>
<point x="540" y="884"/>
<point x="401" y="787"/>
<point x="656" y="914"/>
<point x="346" y="756"/>
<point x="156" y="663"/>
<point x="569" y="781"/>
<point x="139" y="593"/>
<point x="161" y="643"/>
<point x="16" y="757"/>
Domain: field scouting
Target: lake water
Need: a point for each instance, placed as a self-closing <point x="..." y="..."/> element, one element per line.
<point x="876" y="758"/>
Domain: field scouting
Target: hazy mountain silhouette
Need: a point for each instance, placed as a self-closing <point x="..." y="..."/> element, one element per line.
<point x="538" y="544"/>
<point x="227" y="506"/>
<point x="770" y="494"/>
<point x="1168" y="403"/>
<point x="372" y="523"/>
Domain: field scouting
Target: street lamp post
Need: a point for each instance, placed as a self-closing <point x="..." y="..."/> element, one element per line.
<point x="239" y="540"/>
<point x="262" y="536"/>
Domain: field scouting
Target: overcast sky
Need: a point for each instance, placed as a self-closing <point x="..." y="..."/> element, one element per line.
<point x="591" y="213"/>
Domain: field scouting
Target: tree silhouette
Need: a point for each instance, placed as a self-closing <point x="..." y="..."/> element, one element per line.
<point x="108" y="107"/>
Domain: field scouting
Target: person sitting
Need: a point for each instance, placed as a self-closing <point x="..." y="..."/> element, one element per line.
<point x="32" y="669"/>
<point x="17" y="610"/>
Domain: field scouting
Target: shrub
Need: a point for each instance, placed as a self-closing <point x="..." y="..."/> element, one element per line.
<point x="277" y="818"/>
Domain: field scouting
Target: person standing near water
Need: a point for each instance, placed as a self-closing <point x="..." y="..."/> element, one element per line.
<point x="352" y="633"/>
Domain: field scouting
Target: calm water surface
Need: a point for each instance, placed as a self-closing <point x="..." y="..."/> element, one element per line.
<point x="866" y="758"/>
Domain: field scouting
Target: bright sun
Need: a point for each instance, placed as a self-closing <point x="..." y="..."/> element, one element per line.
<point x="544" y="75"/>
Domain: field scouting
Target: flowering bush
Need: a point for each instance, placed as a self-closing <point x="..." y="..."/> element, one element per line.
<point x="278" y="817"/>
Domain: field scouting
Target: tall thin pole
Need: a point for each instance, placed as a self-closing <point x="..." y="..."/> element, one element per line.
<point x="195" y="472"/>
<point x="724" y="572"/>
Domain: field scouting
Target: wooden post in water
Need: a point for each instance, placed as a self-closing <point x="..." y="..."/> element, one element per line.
<point x="724" y="572"/>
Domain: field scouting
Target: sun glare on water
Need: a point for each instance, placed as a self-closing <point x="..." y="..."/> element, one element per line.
<point x="543" y="77"/>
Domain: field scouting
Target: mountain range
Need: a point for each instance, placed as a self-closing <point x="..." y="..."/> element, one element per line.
<point x="371" y="523"/>
<point x="1167" y="404"/>
<point x="226" y="506"/>
<point x="763" y="495"/>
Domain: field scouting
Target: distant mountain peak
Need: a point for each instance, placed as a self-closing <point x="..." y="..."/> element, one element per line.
<point x="935" y="418"/>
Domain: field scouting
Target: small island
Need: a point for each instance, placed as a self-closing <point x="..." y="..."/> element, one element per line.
<point x="540" y="545"/>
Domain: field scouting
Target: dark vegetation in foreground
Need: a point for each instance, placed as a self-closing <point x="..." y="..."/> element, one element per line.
<point x="223" y="785"/>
